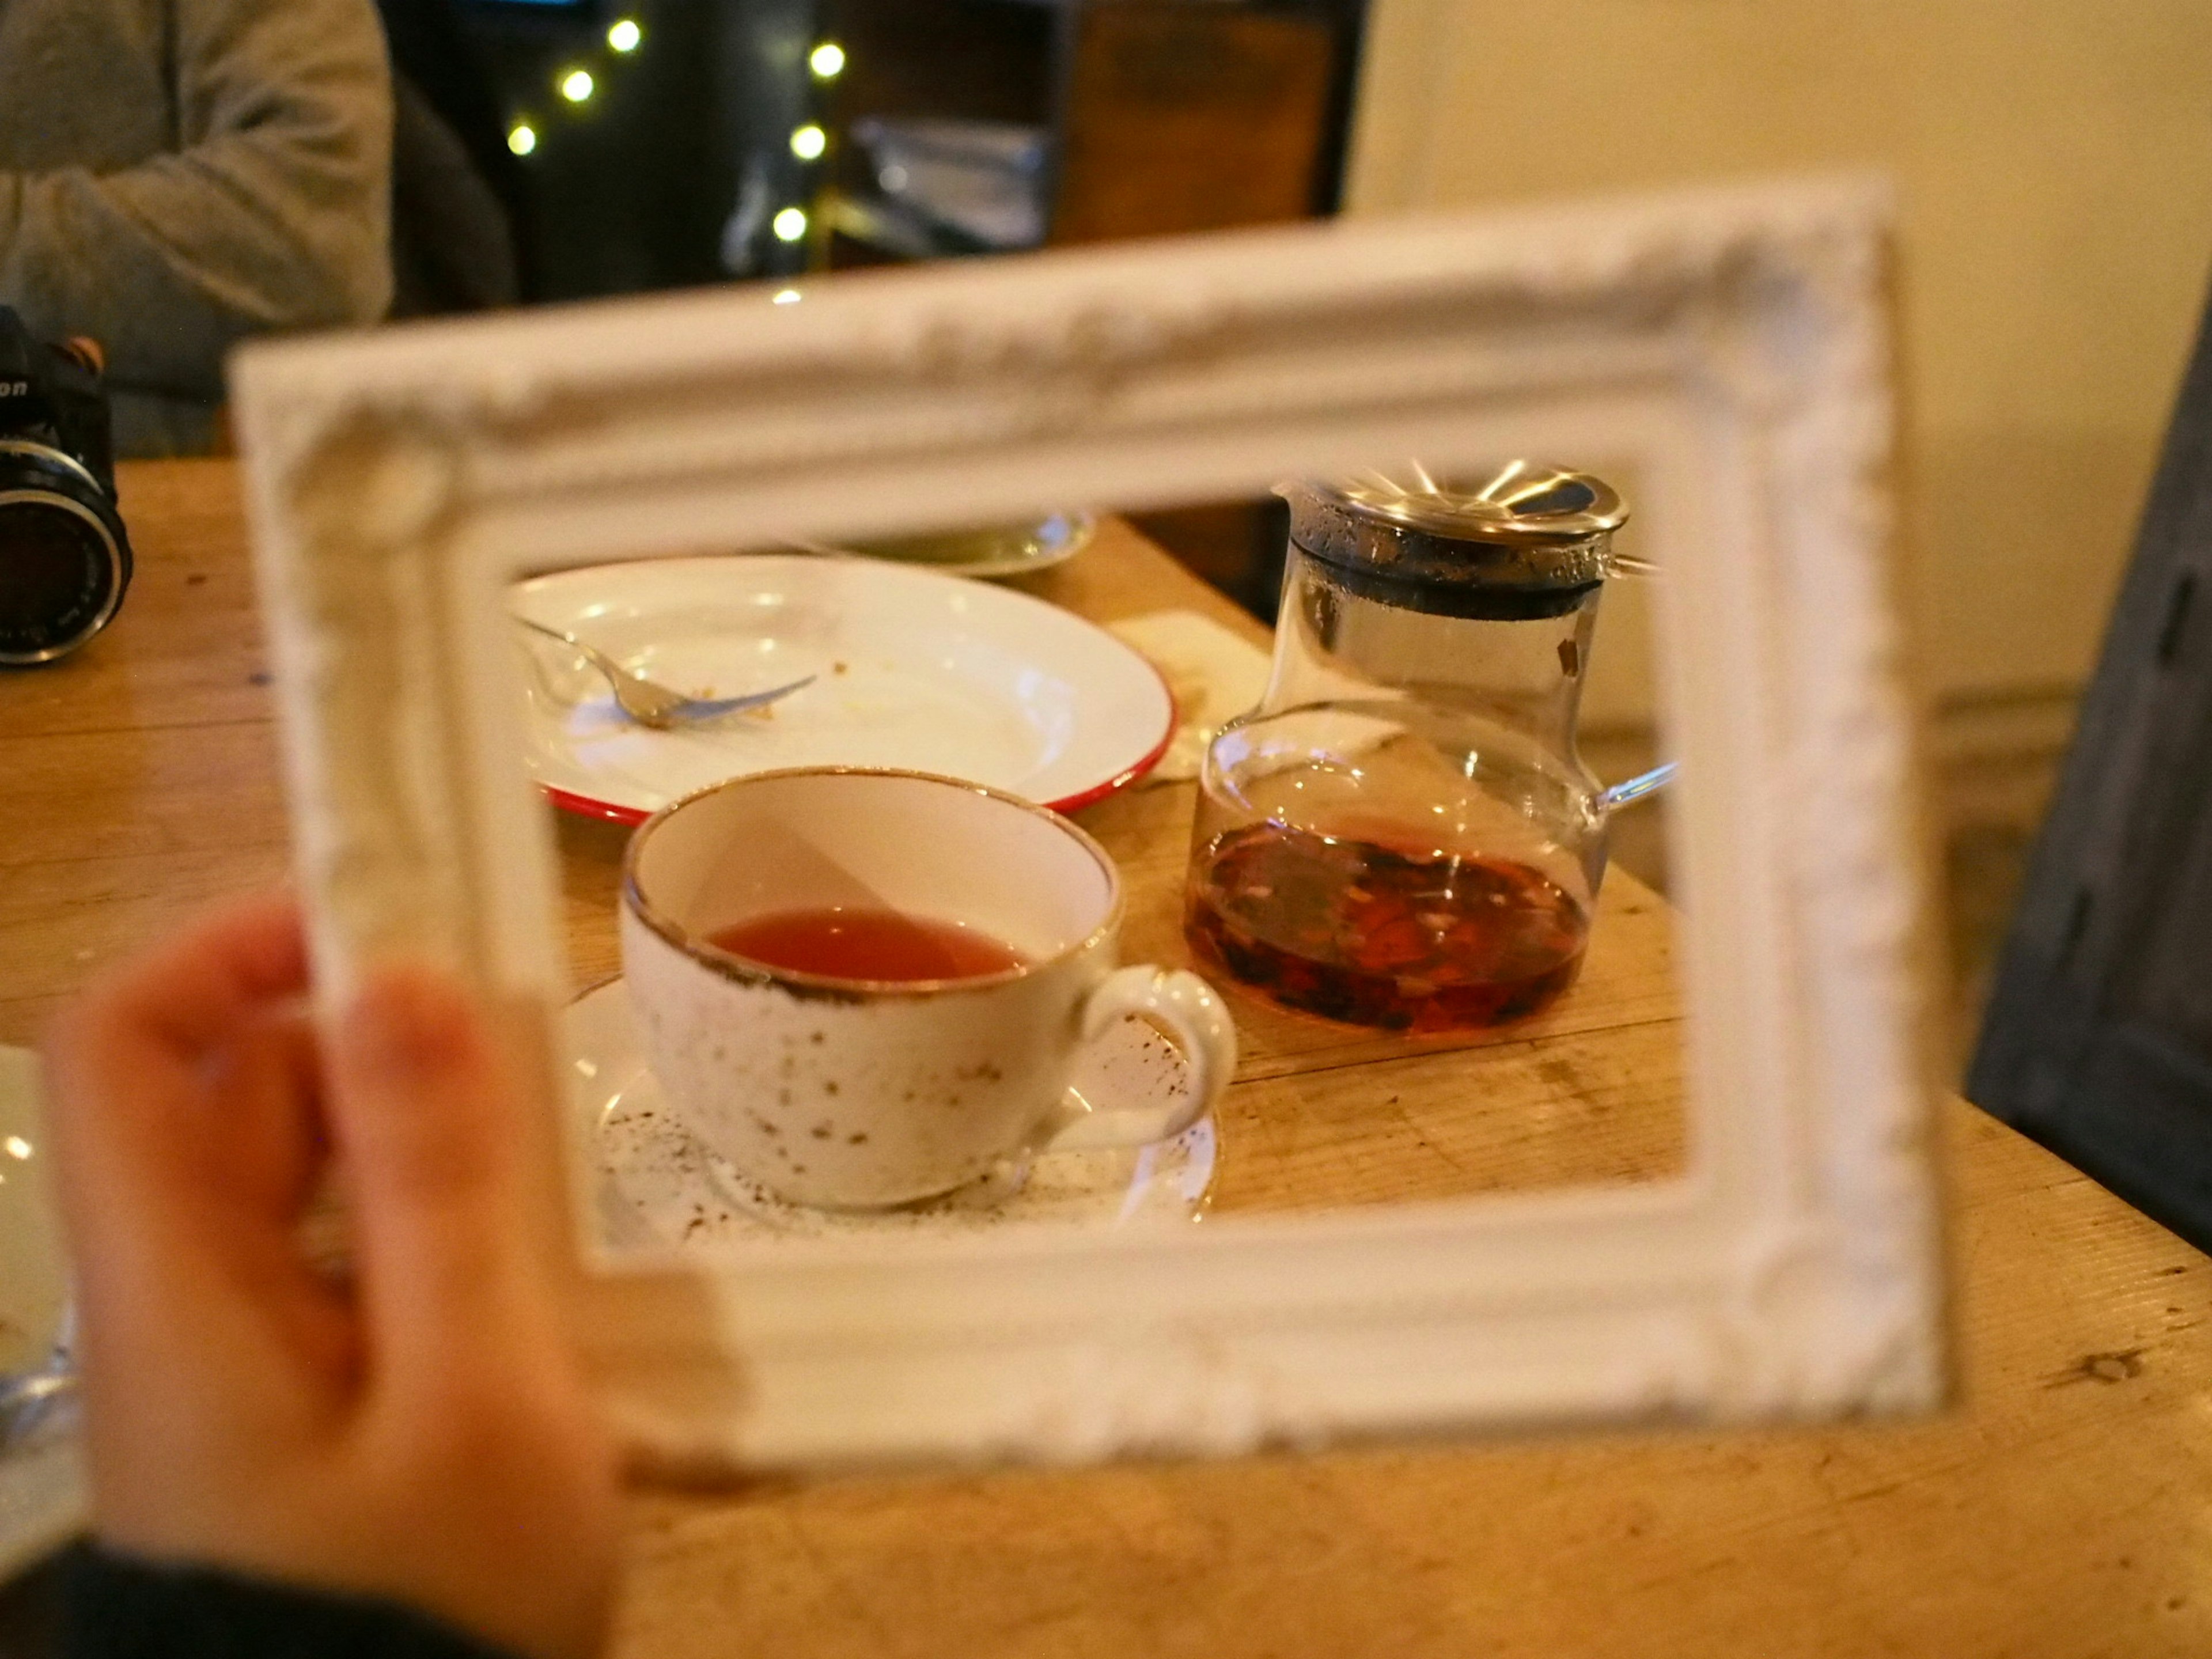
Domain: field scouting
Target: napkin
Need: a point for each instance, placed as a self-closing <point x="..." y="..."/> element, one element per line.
<point x="1215" y="675"/>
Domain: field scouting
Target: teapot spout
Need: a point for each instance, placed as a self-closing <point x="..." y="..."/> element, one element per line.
<point x="1636" y="788"/>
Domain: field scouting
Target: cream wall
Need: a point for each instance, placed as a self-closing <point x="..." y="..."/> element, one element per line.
<point x="2054" y="161"/>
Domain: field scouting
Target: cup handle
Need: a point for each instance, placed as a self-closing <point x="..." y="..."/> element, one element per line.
<point x="1193" y="1015"/>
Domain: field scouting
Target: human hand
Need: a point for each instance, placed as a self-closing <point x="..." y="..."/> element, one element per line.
<point x="421" y="1430"/>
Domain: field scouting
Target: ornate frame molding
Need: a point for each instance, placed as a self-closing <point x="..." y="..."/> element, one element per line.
<point x="1734" y="342"/>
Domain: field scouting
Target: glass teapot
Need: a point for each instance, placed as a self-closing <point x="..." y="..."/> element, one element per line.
<point x="1403" y="834"/>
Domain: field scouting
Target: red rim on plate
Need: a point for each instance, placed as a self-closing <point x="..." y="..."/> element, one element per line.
<point x="585" y="807"/>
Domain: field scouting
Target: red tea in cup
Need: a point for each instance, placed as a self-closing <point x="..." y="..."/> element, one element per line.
<point x="882" y="945"/>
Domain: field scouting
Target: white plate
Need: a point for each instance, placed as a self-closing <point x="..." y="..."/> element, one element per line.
<point x="929" y="673"/>
<point x="34" y="1282"/>
<point x="661" y="1188"/>
<point x="42" y="1487"/>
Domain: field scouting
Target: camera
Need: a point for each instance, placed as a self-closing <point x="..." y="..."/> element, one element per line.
<point x="65" y="559"/>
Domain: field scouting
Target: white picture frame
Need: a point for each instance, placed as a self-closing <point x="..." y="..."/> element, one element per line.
<point x="1733" y="343"/>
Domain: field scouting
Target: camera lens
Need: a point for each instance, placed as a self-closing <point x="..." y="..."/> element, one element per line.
<point x="63" y="563"/>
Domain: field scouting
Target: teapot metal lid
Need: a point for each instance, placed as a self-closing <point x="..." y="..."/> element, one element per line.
<point x="1528" y="540"/>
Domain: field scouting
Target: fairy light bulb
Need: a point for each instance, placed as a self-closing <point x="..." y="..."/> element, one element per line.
<point x="789" y="225"/>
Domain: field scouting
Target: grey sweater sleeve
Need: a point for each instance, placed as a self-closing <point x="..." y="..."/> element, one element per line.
<point x="273" y="211"/>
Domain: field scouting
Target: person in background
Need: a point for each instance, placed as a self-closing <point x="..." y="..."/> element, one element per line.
<point x="177" y="174"/>
<point x="460" y="202"/>
<point x="402" y="1459"/>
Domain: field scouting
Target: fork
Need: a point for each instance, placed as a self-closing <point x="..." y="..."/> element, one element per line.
<point x="650" y="704"/>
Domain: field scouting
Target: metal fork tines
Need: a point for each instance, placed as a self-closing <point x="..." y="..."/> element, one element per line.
<point x="650" y="704"/>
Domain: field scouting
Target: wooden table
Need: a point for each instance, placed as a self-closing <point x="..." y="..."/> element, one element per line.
<point x="2063" y="1508"/>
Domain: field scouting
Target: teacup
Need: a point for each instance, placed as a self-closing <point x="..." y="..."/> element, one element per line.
<point x="841" y="1090"/>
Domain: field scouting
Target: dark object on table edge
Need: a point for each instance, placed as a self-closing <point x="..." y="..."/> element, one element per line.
<point x="65" y="559"/>
<point x="2098" y="1041"/>
<point x="116" y="1607"/>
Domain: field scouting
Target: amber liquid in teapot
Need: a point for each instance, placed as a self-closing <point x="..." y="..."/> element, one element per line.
<point x="1354" y="929"/>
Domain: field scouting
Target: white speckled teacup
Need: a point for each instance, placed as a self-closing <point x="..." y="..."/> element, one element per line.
<point x="854" y="1094"/>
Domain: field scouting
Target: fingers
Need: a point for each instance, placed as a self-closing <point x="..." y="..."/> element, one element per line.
<point x="263" y="1144"/>
<point x="153" y="1020"/>
<point x="429" y="1134"/>
<point x="184" y="1126"/>
<point x="193" y="993"/>
<point x="192" y="1121"/>
<point x="128" y="1060"/>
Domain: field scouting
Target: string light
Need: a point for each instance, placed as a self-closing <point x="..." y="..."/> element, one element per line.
<point x="522" y="138"/>
<point x="577" y="85"/>
<point x="625" y="34"/>
<point x="826" y="61"/>
<point x="789" y="225"/>
<point x="807" y="143"/>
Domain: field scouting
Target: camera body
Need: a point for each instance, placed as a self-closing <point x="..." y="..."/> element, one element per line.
<point x="64" y="557"/>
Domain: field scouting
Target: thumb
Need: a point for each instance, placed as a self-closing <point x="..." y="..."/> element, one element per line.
<point x="427" y="1125"/>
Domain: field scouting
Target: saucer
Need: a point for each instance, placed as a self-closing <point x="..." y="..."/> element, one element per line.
<point x="659" y="1187"/>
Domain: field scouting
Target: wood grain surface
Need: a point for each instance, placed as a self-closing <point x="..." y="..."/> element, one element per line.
<point x="2063" y="1507"/>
